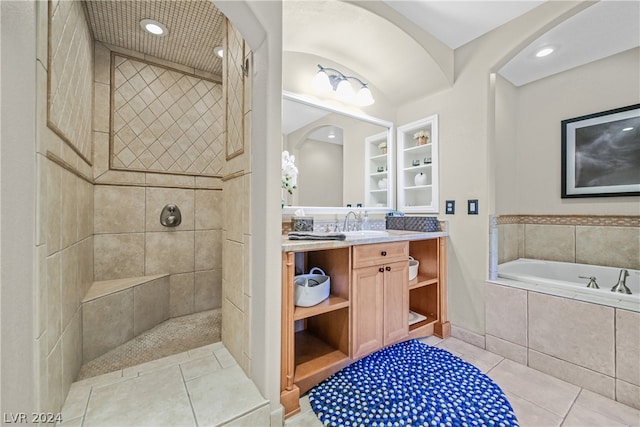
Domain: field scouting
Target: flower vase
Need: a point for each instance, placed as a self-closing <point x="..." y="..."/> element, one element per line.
<point x="422" y="140"/>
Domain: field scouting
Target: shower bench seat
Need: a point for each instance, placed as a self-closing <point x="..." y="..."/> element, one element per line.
<point x="116" y="311"/>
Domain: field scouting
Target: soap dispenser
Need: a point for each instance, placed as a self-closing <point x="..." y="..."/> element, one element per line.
<point x="365" y="221"/>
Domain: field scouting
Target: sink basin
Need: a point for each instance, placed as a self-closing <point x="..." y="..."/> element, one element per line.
<point x="363" y="234"/>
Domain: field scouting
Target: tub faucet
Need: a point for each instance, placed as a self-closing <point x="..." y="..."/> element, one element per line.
<point x="621" y="286"/>
<point x="592" y="282"/>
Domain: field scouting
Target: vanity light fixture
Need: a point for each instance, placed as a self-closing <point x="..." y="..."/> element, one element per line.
<point x="545" y="51"/>
<point x="219" y="51"/>
<point x="329" y="79"/>
<point x="154" y="27"/>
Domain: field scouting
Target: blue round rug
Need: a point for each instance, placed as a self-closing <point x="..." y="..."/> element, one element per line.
<point x="411" y="384"/>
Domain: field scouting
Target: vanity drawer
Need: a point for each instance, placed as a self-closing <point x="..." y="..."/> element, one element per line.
<point x="380" y="253"/>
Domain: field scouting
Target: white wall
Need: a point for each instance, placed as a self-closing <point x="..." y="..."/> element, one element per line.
<point x="17" y="191"/>
<point x="603" y="85"/>
<point x="322" y="176"/>
<point x="465" y="126"/>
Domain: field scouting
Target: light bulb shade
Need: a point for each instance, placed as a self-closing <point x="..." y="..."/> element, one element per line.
<point x="321" y="82"/>
<point x="344" y="91"/>
<point x="364" y="97"/>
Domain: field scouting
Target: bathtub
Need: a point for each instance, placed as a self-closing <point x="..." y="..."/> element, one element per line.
<point x="562" y="279"/>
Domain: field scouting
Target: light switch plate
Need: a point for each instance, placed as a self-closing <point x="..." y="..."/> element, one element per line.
<point x="450" y="207"/>
<point x="472" y="207"/>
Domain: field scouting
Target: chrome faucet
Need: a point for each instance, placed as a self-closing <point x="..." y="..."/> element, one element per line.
<point x="345" y="227"/>
<point x="592" y="282"/>
<point x="621" y="286"/>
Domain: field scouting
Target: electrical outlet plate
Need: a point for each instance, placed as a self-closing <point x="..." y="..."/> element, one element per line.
<point x="472" y="207"/>
<point x="450" y="207"/>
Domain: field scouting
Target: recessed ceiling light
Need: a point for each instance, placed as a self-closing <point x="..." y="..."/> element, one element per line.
<point x="627" y="129"/>
<point x="544" y="52"/>
<point x="219" y="50"/>
<point x="154" y="27"/>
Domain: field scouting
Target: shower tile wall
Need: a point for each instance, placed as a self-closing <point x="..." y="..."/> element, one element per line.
<point x="129" y="239"/>
<point x="64" y="201"/>
<point x="600" y="240"/>
<point x="131" y="242"/>
<point x="236" y="282"/>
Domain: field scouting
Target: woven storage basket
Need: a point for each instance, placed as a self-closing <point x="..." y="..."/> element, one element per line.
<point x="421" y="223"/>
<point x="395" y="223"/>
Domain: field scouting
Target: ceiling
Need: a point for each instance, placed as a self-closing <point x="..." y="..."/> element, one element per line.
<point x="354" y="38"/>
<point x="195" y="27"/>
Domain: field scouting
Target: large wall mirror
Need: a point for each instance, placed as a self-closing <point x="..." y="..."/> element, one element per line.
<point x="343" y="158"/>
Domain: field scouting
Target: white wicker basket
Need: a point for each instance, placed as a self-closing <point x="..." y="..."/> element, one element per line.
<point x="311" y="289"/>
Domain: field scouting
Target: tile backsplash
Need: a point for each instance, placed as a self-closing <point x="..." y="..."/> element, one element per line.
<point x="599" y="239"/>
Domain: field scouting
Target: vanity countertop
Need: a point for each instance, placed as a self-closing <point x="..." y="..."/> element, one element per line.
<point x="391" y="236"/>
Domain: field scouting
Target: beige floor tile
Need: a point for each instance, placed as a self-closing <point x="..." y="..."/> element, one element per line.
<point x="304" y="419"/>
<point x="478" y="357"/>
<point x="154" y="365"/>
<point x="149" y="400"/>
<point x="544" y="390"/>
<point x="220" y="396"/>
<point x="205" y="350"/>
<point x="431" y="340"/>
<point x="531" y="415"/>
<point x="610" y="409"/>
<point x="76" y="402"/>
<point x="73" y="422"/>
<point x="584" y="417"/>
<point x="258" y="418"/>
<point x="225" y="358"/>
<point x="198" y="367"/>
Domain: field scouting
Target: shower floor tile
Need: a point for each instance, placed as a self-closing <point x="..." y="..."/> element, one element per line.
<point x="173" y="336"/>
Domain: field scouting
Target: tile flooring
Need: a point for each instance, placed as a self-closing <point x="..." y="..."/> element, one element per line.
<point x="201" y="387"/>
<point x="538" y="399"/>
<point x="206" y="387"/>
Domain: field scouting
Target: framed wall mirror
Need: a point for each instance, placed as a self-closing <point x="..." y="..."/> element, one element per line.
<point x="344" y="159"/>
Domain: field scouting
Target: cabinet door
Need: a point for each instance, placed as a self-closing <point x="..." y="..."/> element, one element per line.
<point x="396" y="302"/>
<point x="366" y="310"/>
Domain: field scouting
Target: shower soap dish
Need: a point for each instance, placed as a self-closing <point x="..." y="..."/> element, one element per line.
<point x="311" y="289"/>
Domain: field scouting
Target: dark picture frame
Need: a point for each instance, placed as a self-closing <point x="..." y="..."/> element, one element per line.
<point x="601" y="154"/>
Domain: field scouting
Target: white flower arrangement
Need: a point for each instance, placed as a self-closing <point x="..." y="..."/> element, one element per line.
<point x="289" y="172"/>
<point x="420" y="134"/>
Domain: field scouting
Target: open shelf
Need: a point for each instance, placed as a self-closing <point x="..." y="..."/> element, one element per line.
<point x="315" y="360"/>
<point x="420" y="281"/>
<point x="417" y="198"/>
<point x="330" y="304"/>
<point x="428" y="321"/>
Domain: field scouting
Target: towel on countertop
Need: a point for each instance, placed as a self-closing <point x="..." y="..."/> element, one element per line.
<point x="297" y="235"/>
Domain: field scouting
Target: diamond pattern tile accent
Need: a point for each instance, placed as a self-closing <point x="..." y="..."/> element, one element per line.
<point x="235" y="92"/>
<point x="70" y="88"/>
<point x="165" y="120"/>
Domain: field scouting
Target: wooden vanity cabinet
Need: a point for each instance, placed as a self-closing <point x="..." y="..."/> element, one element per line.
<point x="379" y="296"/>
<point x="368" y="308"/>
